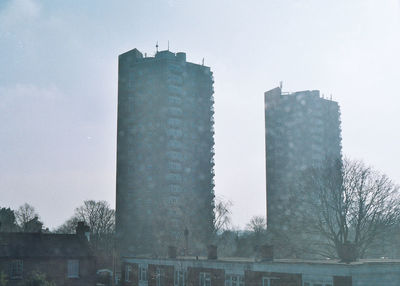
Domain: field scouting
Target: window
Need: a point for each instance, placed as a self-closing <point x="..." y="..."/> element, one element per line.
<point x="142" y="273"/>
<point x="174" y="122"/>
<point x="174" y="144"/>
<point x="174" y="100"/>
<point x="175" y="188"/>
<point x="234" y="280"/>
<point x="128" y="272"/>
<point x="180" y="278"/>
<point x="175" y="133"/>
<point x="269" y="281"/>
<point x="73" y="268"/>
<point x="159" y="277"/>
<point x="174" y="177"/>
<point x="173" y="155"/>
<point x="175" y="111"/>
<point x="16" y="269"/>
<point x="174" y="166"/>
<point x="205" y="279"/>
<point x="172" y="201"/>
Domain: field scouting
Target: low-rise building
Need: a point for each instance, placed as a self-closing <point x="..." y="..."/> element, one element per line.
<point x="65" y="259"/>
<point x="192" y="271"/>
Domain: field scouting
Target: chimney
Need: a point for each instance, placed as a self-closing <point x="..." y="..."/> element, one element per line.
<point x="172" y="252"/>
<point x="186" y="233"/>
<point x="212" y="252"/>
<point x="82" y="230"/>
<point x="266" y="252"/>
<point x="348" y="252"/>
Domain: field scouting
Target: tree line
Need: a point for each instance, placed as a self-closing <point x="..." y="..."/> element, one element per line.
<point x="337" y="208"/>
<point x="342" y="209"/>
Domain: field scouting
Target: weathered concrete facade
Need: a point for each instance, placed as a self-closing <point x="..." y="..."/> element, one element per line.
<point x="165" y="142"/>
<point x="302" y="130"/>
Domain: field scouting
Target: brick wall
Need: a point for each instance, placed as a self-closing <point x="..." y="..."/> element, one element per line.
<point x="217" y="276"/>
<point x="134" y="277"/>
<point x="342" y="281"/>
<point x="166" y="274"/>
<point x="254" y="278"/>
<point x="56" y="270"/>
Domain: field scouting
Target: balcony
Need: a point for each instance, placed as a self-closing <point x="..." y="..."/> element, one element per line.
<point x="174" y="100"/>
<point x="174" y="111"/>
<point x="174" y="122"/>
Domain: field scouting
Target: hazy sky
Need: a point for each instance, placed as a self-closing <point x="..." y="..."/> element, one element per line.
<point x="58" y="86"/>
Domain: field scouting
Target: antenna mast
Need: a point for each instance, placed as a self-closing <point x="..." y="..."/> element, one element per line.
<point x="157" y="47"/>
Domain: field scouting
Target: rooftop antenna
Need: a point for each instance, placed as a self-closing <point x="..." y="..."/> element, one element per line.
<point x="281" y="84"/>
<point x="157" y="47"/>
<point x="168" y="45"/>
<point x="202" y="62"/>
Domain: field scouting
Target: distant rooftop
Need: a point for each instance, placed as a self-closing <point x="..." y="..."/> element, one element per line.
<point x="285" y="261"/>
<point x="316" y="93"/>
<point x="20" y="244"/>
<point x="165" y="54"/>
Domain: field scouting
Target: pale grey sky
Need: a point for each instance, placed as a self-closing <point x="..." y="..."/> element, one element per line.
<point x="58" y="86"/>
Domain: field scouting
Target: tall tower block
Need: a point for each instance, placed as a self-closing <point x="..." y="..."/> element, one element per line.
<point x="165" y="151"/>
<point x="302" y="130"/>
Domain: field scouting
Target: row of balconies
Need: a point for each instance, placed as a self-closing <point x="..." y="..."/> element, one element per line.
<point x="175" y="155"/>
<point x="174" y="122"/>
<point x="174" y="133"/>
<point x="175" y="69"/>
<point x="175" y="188"/>
<point x="174" y="111"/>
<point x="175" y="80"/>
<point x="174" y="100"/>
<point x="174" y="178"/>
<point x="174" y="166"/>
<point x="176" y="90"/>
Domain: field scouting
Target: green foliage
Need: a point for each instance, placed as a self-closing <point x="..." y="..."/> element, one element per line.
<point x="7" y="220"/>
<point x="38" y="279"/>
<point x="3" y="279"/>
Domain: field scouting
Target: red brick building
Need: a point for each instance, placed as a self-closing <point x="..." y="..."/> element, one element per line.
<point x="65" y="259"/>
<point x="189" y="271"/>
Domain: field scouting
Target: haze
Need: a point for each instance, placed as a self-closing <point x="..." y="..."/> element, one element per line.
<point x="58" y="87"/>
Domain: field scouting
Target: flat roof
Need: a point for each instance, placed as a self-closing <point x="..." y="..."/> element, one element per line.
<point x="254" y="260"/>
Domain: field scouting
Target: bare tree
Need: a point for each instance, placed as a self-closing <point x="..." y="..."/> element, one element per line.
<point x="96" y="214"/>
<point x="258" y="231"/>
<point x="257" y="224"/>
<point x="27" y="218"/>
<point x="222" y="218"/>
<point x="99" y="216"/>
<point x="101" y="219"/>
<point x="350" y="203"/>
